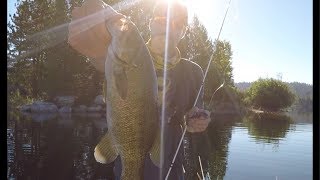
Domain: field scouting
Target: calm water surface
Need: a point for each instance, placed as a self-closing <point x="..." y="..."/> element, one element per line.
<point x="265" y="146"/>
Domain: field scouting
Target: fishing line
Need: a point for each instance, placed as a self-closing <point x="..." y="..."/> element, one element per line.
<point x="224" y="80"/>
<point x="200" y="89"/>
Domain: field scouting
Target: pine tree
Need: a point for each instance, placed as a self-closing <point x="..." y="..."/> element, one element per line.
<point x="198" y="47"/>
<point x="43" y="63"/>
<point x="41" y="60"/>
<point x="27" y="58"/>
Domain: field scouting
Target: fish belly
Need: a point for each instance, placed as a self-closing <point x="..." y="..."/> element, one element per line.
<point x="131" y="98"/>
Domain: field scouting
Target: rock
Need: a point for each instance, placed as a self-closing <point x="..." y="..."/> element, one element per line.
<point x="65" y="100"/>
<point x="40" y="117"/>
<point x="80" y="109"/>
<point x="65" y="109"/>
<point x="40" y="107"/>
<point x="94" y="109"/>
<point x="99" y="100"/>
<point x="25" y="108"/>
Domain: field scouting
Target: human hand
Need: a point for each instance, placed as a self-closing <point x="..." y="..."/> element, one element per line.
<point x="87" y="32"/>
<point x="197" y="120"/>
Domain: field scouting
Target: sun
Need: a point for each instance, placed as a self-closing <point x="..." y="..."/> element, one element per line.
<point x="206" y="10"/>
<point x="172" y="0"/>
<point x="209" y="10"/>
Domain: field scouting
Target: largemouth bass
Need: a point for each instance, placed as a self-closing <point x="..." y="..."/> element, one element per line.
<point x="131" y="99"/>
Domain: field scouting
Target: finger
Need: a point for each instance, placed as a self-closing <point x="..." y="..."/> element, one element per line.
<point x="204" y="123"/>
<point x="201" y="127"/>
<point x="205" y="113"/>
<point x="190" y="129"/>
<point x="196" y="123"/>
<point x="202" y="120"/>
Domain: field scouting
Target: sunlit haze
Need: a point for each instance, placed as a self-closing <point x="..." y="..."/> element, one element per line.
<point x="269" y="39"/>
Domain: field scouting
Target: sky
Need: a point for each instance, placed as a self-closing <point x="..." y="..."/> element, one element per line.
<point x="269" y="38"/>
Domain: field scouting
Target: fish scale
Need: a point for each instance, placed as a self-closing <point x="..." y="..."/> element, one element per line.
<point x="130" y="126"/>
<point x="131" y="89"/>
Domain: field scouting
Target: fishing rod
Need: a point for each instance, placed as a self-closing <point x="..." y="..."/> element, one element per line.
<point x="200" y="89"/>
<point x="201" y="167"/>
<point x="224" y="81"/>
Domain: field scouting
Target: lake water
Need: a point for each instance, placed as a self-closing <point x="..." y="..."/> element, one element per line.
<point x="265" y="146"/>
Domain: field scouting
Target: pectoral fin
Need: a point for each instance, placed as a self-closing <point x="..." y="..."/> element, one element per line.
<point x="121" y="82"/>
<point x="105" y="152"/>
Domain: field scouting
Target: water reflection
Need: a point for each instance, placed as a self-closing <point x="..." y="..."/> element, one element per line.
<point x="54" y="147"/>
<point x="61" y="146"/>
<point x="268" y="127"/>
<point x="212" y="146"/>
<point x="301" y="118"/>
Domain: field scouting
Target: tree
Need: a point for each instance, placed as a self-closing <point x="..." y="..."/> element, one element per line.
<point x="42" y="62"/>
<point x="139" y="13"/>
<point x="198" y="47"/>
<point x="270" y="94"/>
<point x="24" y="55"/>
<point x="39" y="56"/>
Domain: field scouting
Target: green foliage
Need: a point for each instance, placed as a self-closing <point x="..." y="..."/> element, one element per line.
<point x="198" y="47"/>
<point x="140" y="13"/>
<point x="22" y="45"/>
<point x="43" y="65"/>
<point x="269" y="94"/>
<point x="19" y="93"/>
<point x="15" y="99"/>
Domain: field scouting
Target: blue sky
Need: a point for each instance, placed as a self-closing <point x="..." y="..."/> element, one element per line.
<point x="268" y="37"/>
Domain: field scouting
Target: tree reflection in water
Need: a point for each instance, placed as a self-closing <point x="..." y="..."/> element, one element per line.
<point x="56" y="148"/>
<point x="212" y="146"/>
<point x="61" y="147"/>
<point x="268" y="127"/>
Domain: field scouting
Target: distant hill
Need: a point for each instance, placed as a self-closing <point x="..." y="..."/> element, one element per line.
<point x="242" y="86"/>
<point x="302" y="90"/>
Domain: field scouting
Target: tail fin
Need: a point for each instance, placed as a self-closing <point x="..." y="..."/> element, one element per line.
<point x="155" y="150"/>
<point x="105" y="152"/>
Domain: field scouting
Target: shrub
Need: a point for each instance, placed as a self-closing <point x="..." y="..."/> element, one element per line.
<point x="270" y="94"/>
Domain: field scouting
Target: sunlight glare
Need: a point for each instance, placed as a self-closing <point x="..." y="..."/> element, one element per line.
<point x="206" y="10"/>
<point x="58" y="32"/>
